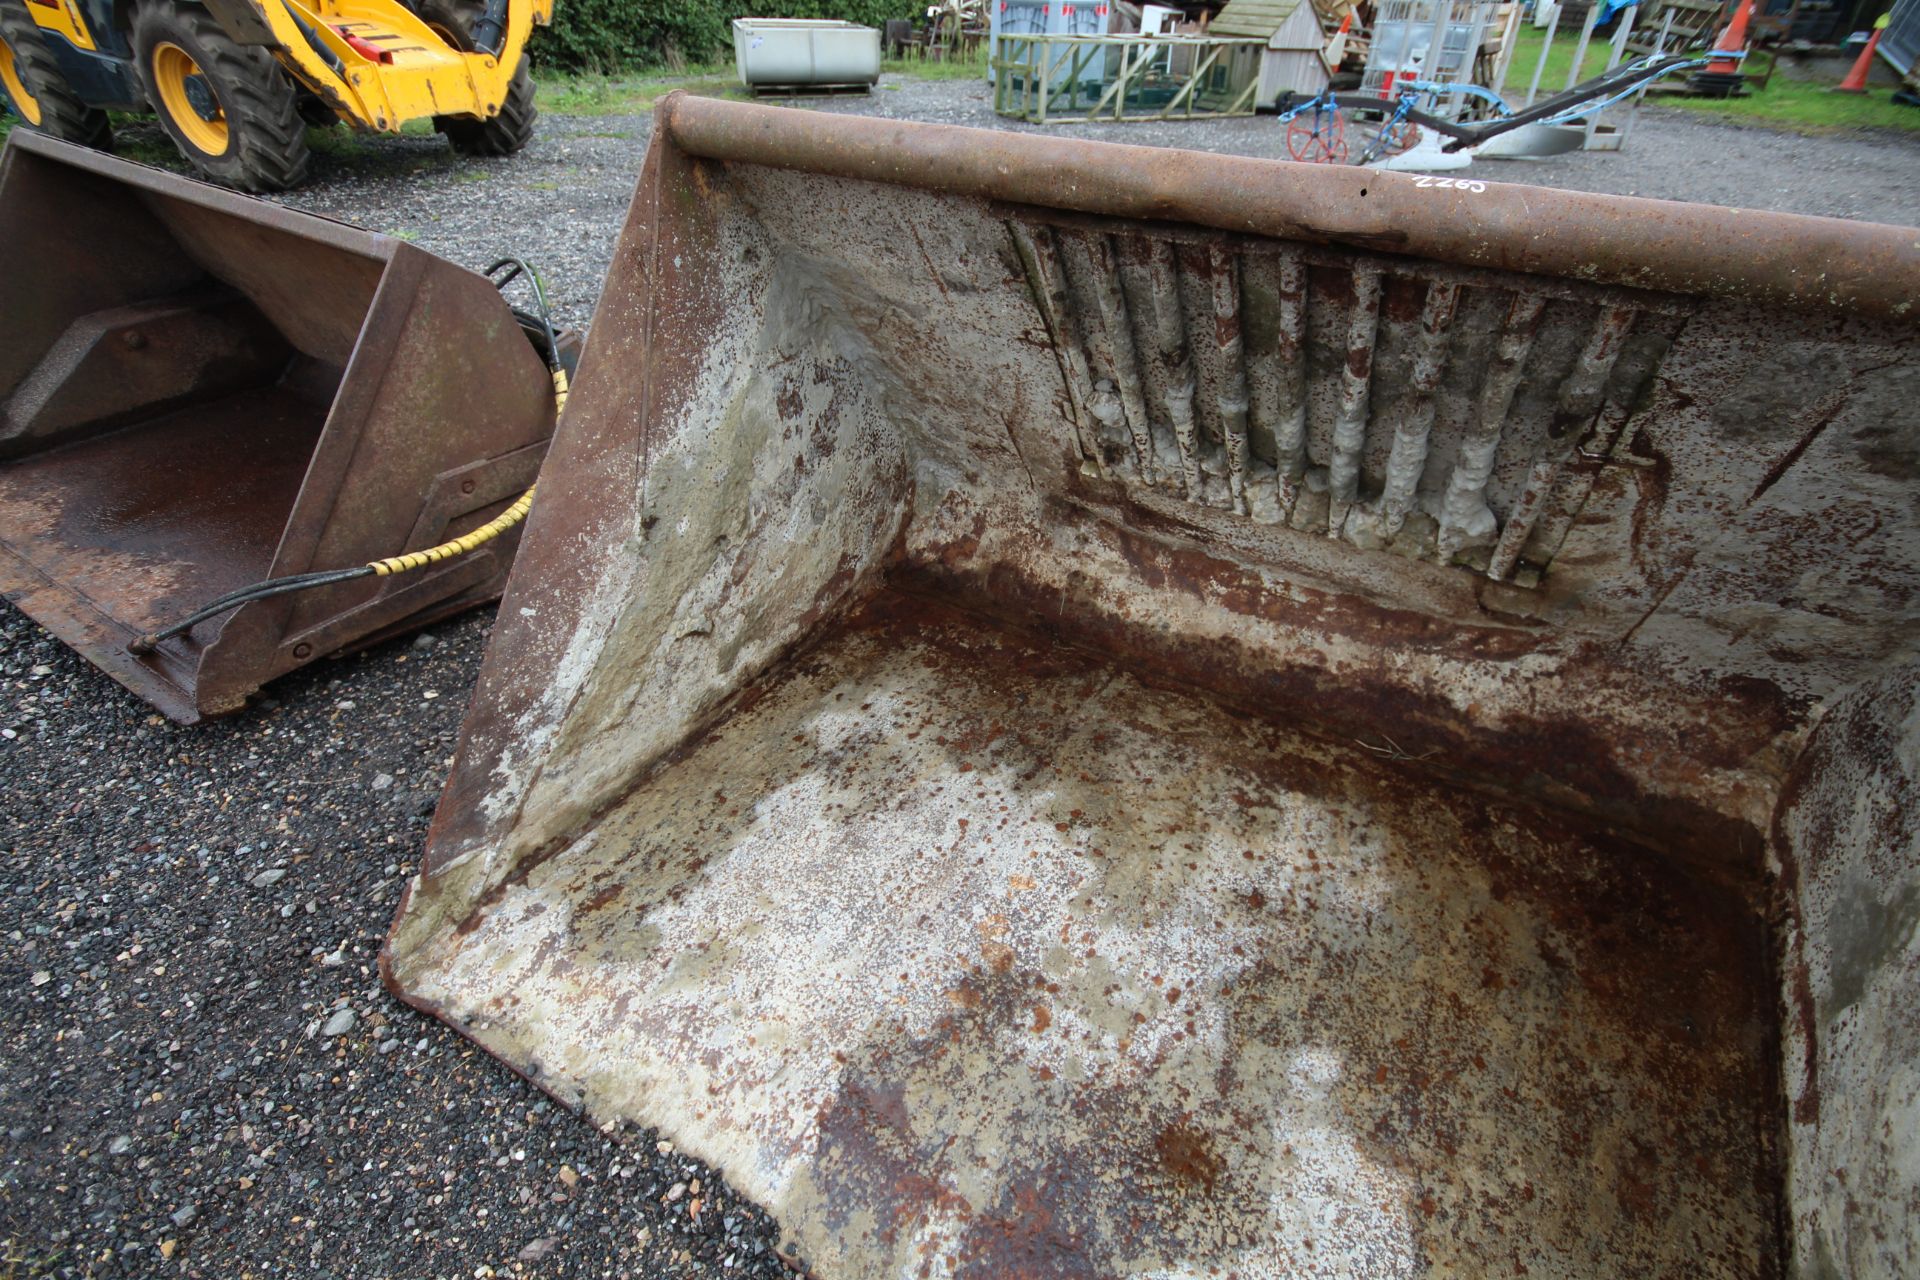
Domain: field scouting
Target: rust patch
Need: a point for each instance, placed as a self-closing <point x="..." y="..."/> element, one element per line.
<point x="1187" y="1156"/>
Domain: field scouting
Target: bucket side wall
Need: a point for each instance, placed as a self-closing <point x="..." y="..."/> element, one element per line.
<point x="1849" y="842"/>
<point x="727" y="479"/>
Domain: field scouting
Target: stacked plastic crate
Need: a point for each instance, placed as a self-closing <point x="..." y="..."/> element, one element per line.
<point x="1043" y="18"/>
<point x="1403" y="37"/>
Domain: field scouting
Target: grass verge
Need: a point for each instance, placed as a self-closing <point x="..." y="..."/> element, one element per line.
<point x="629" y="94"/>
<point x="634" y="93"/>
<point x="1793" y="105"/>
<point x="974" y="68"/>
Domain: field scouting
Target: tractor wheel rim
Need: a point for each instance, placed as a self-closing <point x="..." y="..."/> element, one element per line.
<point x="28" y="105"/>
<point x="174" y="75"/>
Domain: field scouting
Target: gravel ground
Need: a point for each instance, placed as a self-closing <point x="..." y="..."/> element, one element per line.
<point x="199" y="1072"/>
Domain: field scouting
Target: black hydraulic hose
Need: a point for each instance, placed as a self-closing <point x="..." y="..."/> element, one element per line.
<point x="541" y="317"/>
<point x="246" y="595"/>
<point x="1602" y="86"/>
<point x="489" y="31"/>
<point x="540" y="322"/>
<point x="319" y="46"/>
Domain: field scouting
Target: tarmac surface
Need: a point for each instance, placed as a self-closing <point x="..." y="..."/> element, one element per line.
<point x="200" y="1074"/>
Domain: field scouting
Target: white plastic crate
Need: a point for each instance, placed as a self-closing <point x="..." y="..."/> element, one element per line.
<point x="1043" y="18"/>
<point x="1403" y="34"/>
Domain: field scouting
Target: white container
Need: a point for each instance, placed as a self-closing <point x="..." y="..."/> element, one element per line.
<point x="814" y="53"/>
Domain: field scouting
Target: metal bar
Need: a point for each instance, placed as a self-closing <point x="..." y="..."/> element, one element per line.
<point x="1188" y="89"/>
<point x="1473" y="20"/>
<point x="1053" y="65"/>
<point x="1580" y="50"/>
<point x="1546" y="47"/>
<point x="1436" y="41"/>
<point x="1614" y="52"/>
<point x="1463" y="510"/>
<point x="1580" y="398"/>
<point x="1118" y="87"/>
<point x="1176" y="365"/>
<point x="1034" y="55"/>
<point x="1520" y="521"/>
<point x="1290" y="351"/>
<point x="1200" y="72"/>
<point x="1276" y="370"/>
<point x="1231" y="395"/>
<point x="1509" y="45"/>
<point x="1040" y="255"/>
<point x="1356" y="383"/>
<point x="1110" y="339"/>
<point x="1408" y="458"/>
<point x="1829" y="263"/>
<point x="1026" y="80"/>
<point x="1633" y="113"/>
<point x="1046" y="80"/>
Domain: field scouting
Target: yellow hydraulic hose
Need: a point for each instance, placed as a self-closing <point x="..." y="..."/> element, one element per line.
<point x="492" y="529"/>
<point x="487" y="532"/>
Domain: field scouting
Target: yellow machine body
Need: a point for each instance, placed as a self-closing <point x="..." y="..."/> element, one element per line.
<point x="237" y="83"/>
<point x="427" y="76"/>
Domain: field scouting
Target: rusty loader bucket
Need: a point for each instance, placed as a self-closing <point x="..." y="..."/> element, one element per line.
<point x="1072" y="710"/>
<point x="203" y="390"/>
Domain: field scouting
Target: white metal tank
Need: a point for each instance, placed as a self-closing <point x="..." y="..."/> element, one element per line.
<point x="805" y="52"/>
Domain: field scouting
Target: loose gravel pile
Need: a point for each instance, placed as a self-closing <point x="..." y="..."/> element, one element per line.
<point x="200" y="1074"/>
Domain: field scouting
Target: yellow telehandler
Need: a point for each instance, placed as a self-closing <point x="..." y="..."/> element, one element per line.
<point x="235" y="83"/>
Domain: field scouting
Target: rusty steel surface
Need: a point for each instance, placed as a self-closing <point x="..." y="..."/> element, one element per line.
<point x="1654" y="244"/>
<point x="200" y="390"/>
<point x="1050" y="742"/>
<point x="1848" y="851"/>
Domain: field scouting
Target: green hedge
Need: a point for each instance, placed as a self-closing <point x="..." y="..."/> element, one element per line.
<point x="613" y="35"/>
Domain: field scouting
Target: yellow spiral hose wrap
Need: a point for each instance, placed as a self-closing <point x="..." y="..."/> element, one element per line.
<point x="487" y="532"/>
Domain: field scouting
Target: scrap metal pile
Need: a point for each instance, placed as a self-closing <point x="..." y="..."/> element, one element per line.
<point x="1078" y="710"/>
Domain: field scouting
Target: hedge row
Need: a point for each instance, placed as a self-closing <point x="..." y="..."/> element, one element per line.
<point x="612" y="35"/>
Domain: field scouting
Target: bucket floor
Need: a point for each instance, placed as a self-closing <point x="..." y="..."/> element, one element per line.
<point x="152" y="520"/>
<point x="968" y="953"/>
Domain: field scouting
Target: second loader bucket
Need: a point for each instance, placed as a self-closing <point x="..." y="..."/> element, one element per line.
<point x="1075" y="710"/>
<point x="200" y="390"/>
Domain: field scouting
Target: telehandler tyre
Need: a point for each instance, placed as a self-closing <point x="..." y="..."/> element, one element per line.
<point x="505" y="133"/>
<point x="37" y="90"/>
<point x="230" y="108"/>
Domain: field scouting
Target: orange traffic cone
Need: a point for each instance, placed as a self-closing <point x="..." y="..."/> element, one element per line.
<point x="1721" y="77"/>
<point x="1336" y="50"/>
<point x="1856" y="81"/>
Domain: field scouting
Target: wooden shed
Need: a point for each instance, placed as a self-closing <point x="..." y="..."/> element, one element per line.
<point x="1295" y="54"/>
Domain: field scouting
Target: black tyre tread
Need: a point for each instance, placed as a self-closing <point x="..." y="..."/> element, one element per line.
<point x="316" y="113"/>
<point x="62" y="114"/>
<point x="269" y="137"/>
<point x="503" y="135"/>
<point x="507" y="132"/>
<point x="454" y="16"/>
